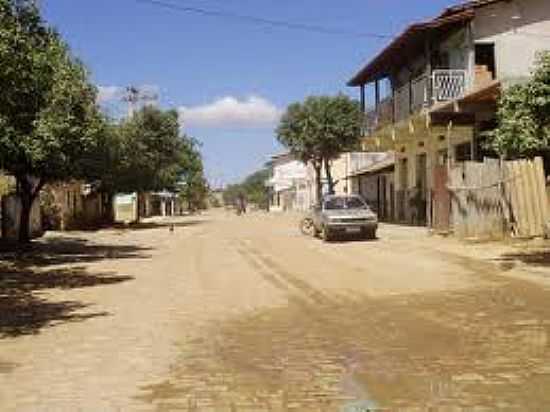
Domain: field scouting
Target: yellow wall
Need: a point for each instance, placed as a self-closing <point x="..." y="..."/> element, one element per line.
<point x="413" y="138"/>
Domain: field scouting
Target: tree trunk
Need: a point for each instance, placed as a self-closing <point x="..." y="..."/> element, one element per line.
<point x="330" y="181"/>
<point x="25" y="216"/>
<point x="318" y="184"/>
<point x="108" y="207"/>
<point x="138" y="204"/>
<point x="27" y="194"/>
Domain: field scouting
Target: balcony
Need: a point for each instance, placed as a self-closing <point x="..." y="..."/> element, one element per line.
<point x="448" y="84"/>
<point x="419" y="93"/>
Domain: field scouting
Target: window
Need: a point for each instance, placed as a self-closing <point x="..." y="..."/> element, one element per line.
<point x="343" y="202"/>
<point x="442" y="157"/>
<point x="463" y="152"/>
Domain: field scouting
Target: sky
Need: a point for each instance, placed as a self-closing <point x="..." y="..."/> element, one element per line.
<point x="229" y="79"/>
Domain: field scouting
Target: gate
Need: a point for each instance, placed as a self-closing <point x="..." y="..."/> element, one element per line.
<point x="441" y="200"/>
<point x="494" y="199"/>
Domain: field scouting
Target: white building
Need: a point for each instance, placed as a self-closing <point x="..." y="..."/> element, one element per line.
<point x="290" y="185"/>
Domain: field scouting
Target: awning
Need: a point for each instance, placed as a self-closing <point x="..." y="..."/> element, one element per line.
<point x="486" y="94"/>
<point x="376" y="167"/>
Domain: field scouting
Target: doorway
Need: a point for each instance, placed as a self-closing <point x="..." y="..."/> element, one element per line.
<point x="485" y="62"/>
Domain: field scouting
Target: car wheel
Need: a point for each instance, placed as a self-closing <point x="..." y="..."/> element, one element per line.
<point x="370" y="234"/>
<point x="325" y="234"/>
<point x="307" y="227"/>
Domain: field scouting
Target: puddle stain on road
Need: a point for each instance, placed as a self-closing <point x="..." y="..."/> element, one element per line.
<point x="484" y="347"/>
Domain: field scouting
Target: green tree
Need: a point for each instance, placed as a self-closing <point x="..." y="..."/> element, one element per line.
<point x="255" y="189"/>
<point x="252" y="189"/>
<point x="48" y="116"/>
<point x="194" y="188"/>
<point x="319" y="130"/>
<point x="151" y="153"/>
<point x="105" y="165"/>
<point x="524" y="115"/>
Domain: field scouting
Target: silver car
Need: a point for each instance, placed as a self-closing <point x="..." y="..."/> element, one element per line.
<point x="342" y="216"/>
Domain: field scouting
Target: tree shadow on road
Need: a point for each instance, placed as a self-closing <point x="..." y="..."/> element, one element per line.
<point x="160" y="225"/>
<point x="58" y="251"/>
<point x="24" y="311"/>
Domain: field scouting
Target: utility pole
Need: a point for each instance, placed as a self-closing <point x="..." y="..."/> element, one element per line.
<point x="136" y="95"/>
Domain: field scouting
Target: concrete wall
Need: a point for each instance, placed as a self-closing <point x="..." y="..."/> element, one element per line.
<point x="409" y="141"/>
<point x="347" y="163"/>
<point x="70" y="206"/>
<point x="519" y="29"/>
<point x="11" y="217"/>
<point x="125" y="207"/>
<point x="431" y="141"/>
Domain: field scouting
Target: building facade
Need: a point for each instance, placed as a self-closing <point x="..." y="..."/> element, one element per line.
<point x="436" y="88"/>
<point x="290" y="185"/>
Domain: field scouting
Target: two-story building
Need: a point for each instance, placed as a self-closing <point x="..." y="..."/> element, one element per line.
<point x="436" y="87"/>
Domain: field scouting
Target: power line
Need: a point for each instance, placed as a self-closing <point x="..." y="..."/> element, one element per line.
<point x="263" y="21"/>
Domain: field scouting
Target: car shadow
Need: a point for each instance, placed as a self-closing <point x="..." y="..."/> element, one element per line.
<point x="540" y="258"/>
<point x="352" y="239"/>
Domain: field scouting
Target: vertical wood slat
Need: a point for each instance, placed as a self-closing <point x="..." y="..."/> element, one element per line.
<point x="476" y="199"/>
<point x="543" y="197"/>
<point x="521" y="215"/>
<point x="528" y="192"/>
<point x="493" y="222"/>
<point x="510" y="195"/>
<point x="535" y="200"/>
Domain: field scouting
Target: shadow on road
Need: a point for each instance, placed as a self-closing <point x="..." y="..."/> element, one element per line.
<point x="58" y="251"/>
<point x="534" y="258"/>
<point x="159" y="225"/>
<point x="23" y="275"/>
<point x="23" y="311"/>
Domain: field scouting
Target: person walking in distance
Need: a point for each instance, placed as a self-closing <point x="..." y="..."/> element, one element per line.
<point x="241" y="204"/>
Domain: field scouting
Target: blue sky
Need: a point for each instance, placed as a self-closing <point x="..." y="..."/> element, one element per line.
<point x="230" y="79"/>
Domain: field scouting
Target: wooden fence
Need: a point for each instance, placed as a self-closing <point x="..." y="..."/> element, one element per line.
<point x="493" y="199"/>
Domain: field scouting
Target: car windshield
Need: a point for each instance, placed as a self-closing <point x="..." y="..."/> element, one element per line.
<point x="342" y="202"/>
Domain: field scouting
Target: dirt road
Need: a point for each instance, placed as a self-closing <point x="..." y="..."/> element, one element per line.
<point x="235" y="313"/>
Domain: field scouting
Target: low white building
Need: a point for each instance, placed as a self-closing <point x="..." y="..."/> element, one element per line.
<point x="290" y="185"/>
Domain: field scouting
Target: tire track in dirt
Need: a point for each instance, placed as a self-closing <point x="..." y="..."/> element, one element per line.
<point x="278" y="276"/>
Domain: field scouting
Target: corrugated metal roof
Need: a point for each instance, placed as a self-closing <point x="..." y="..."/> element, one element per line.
<point x="389" y="161"/>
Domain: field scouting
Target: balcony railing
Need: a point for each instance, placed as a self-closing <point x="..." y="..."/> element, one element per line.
<point x="448" y="84"/>
<point x="443" y="85"/>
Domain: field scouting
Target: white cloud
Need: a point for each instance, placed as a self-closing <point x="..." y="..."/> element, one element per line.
<point x="109" y="93"/>
<point x="229" y="111"/>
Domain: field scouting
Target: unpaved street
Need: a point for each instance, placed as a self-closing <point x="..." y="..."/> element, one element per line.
<point x="235" y="313"/>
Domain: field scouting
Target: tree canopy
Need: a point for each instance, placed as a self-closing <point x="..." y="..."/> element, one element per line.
<point x="320" y="129"/>
<point x="152" y="152"/>
<point x="524" y="115"/>
<point x="252" y="188"/>
<point x="49" y="120"/>
<point x="194" y="188"/>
